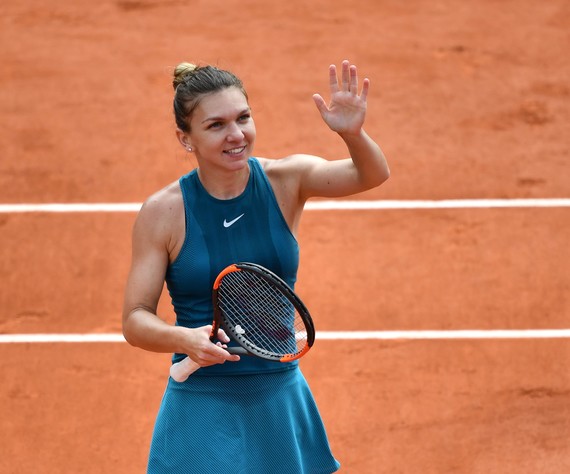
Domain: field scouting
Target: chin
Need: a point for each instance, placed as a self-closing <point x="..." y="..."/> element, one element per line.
<point x="238" y="160"/>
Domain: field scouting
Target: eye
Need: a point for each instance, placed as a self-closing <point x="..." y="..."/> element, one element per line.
<point x="215" y="125"/>
<point x="244" y="117"/>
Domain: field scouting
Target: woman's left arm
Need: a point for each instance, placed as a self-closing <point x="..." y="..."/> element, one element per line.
<point x="367" y="167"/>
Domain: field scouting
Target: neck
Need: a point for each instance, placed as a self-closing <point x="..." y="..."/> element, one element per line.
<point x="224" y="185"/>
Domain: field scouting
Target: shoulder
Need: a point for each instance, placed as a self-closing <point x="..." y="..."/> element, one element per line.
<point x="160" y="212"/>
<point x="167" y="198"/>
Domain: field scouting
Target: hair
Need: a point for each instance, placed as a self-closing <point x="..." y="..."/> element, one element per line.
<point x="191" y="83"/>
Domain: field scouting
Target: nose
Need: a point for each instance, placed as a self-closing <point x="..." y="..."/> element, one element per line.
<point x="235" y="133"/>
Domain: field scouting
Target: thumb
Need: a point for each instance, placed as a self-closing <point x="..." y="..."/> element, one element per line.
<point x="321" y="104"/>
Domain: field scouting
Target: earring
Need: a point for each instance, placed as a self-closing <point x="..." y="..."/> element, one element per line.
<point x="189" y="149"/>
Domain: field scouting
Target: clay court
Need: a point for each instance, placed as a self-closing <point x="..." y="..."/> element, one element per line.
<point x="470" y="102"/>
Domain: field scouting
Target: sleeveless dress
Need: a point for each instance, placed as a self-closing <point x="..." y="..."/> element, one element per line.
<point x="252" y="416"/>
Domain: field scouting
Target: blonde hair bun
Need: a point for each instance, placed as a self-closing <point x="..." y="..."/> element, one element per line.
<point x="181" y="71"/>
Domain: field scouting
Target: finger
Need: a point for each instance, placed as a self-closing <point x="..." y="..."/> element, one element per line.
<point x="222" y="336"/>
<point x="320" y="103"/>
<point x="210" y="330"/>
<point x="208" y="361"/>
<point x="345" y="75"/>
<point x="229" y="358"/>
<point x="220" y="354"/>
<point x="353" y="80"/>
<point x="333" y="80"/>
<point x="365" y="88"/>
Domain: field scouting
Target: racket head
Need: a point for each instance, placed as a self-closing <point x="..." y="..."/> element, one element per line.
<point x="260" y="312"/>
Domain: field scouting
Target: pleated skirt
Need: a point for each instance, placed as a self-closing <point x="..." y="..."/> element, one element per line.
<point x="240" y="424"/>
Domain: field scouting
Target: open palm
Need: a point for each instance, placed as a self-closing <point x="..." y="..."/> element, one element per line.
<point x="347" y="109"/>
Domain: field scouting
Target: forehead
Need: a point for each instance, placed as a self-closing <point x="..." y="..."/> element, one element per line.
<point x="225" y="102"/>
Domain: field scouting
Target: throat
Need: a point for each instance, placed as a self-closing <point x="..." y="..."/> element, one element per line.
<point x="225" y="186"/>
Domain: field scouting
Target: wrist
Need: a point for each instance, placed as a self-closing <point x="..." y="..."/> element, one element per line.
<point x="351" y="136"/>
<point x="180" y="336"/>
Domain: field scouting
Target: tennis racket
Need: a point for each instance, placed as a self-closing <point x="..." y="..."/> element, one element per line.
<point x="260" y="312"/>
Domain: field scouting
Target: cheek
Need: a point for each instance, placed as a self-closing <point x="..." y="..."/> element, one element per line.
<point x="251" y="131"/>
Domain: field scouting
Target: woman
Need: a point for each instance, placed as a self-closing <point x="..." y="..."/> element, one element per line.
<point x="233" y="415"/>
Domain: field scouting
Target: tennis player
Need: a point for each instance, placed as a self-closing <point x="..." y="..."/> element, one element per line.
<point x="235" y="415"/>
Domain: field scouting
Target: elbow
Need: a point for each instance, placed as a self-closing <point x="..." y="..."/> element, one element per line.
<point x="128" y="336"/>
<point x="128" y="332"/>
<point x="384" y="176"/>
<point x="378" y="179"/>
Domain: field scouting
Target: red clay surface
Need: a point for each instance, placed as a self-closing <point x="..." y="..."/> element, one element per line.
<point x="468" y="100"/>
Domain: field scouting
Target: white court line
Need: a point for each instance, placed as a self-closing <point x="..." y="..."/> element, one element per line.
<point x="57" y="338"/>
<point x="310" y="206"/>
<point x="448" y="334"/>
<point x="441" y="204"/>
<point x="321" y="335"/>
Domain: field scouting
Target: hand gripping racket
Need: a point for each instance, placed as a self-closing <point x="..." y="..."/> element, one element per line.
<point x="260" y="312"/>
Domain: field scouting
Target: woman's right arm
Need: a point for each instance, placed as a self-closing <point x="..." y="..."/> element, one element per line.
<point x="152" y="235"/>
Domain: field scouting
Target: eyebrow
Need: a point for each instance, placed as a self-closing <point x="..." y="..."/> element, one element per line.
<point x="217" y="119"/>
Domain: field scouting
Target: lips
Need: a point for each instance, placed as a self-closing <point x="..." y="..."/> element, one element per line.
<point x="235" y="151"/>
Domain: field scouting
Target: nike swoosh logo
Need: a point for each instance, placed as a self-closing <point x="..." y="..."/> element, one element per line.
<point x="233" y="221"/>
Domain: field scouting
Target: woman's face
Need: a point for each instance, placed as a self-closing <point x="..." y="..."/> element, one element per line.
<point x="222" y="129"/>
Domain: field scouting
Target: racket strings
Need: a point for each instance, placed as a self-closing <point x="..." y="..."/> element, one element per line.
<point x="261" y="314"/>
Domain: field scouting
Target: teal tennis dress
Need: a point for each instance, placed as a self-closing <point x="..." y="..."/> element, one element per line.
<point x="247" y="417"/>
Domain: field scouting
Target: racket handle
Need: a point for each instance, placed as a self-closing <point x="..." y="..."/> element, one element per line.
<point x="180" y="371"/>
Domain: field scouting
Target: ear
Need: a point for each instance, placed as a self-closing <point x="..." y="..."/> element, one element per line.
<point x="184" y="139"/>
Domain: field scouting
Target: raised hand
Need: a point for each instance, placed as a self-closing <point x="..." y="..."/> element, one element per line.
<point x="347" y="109"/>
